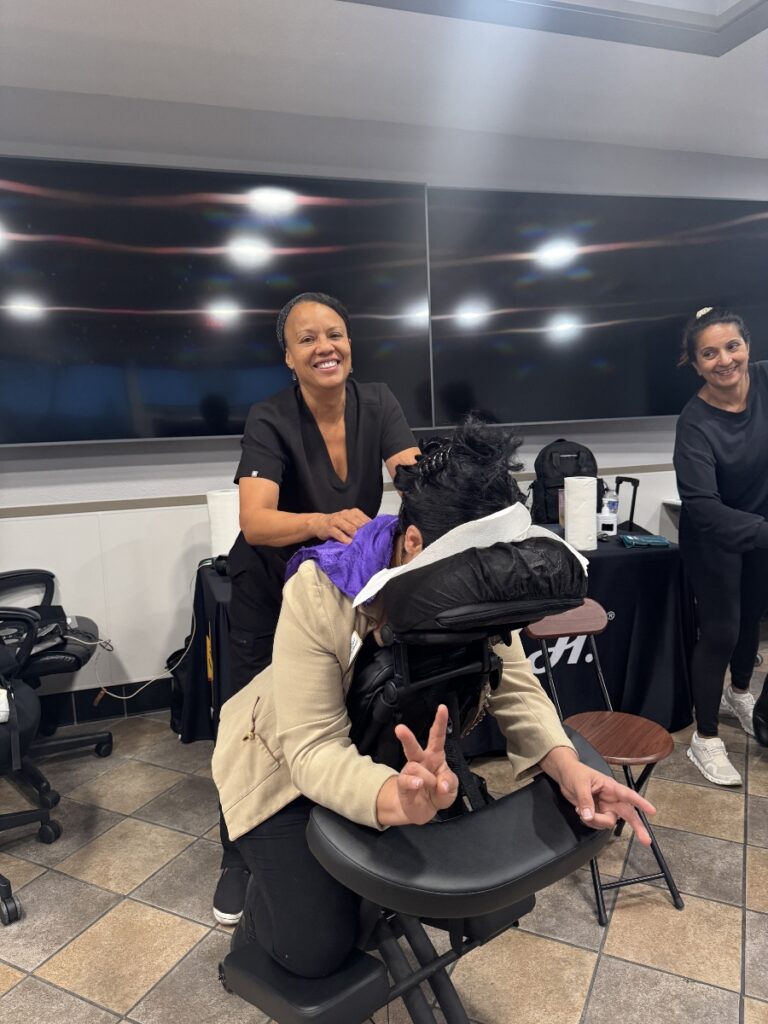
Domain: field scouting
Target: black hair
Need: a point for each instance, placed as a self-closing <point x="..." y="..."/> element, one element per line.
<point x="458" y="479"/>
<point x="322" y="298"/>
<point x="699" y="322"/>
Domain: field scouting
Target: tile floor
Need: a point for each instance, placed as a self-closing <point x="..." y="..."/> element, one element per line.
<point x="117" y="921"/>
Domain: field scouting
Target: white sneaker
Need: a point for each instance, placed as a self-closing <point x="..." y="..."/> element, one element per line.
<point x="740" y="703"/>
<point x="711" y="758"/>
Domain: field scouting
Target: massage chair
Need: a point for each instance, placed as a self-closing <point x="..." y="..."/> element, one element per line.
<point x="472" y="873"/>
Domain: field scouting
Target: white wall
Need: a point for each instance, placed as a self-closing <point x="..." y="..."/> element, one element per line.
<point x="130" y="572"/>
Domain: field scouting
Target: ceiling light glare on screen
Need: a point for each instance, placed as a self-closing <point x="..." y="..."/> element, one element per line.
<point x="557" y="253"/>
<point x="3" y="237"/>
<point x="24" y="307"/>
<point x="564" y="328"/>
<point x="273" y="202"/>
<point x="224" y="313"/>
<point x="249" y="252"/>
<point x="417" y="315"/>
<point x="471" y="314"/>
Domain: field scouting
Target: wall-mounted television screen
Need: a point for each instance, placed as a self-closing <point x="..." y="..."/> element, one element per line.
<point x="558" y="307"/>
<point x="140" y="302"/>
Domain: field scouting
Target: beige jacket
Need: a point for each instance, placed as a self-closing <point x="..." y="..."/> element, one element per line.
<point x="287" y="732"/>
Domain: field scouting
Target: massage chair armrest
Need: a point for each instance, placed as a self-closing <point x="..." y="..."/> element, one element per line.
<point x="474" y="864"/>
<point x="16" y="578"/>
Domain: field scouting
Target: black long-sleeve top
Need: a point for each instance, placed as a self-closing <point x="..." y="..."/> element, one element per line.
<point x="721" y="461"/>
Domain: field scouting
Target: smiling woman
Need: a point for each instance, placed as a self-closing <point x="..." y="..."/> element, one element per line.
<point x="721" y="461"/>
<point x="310" y="470"/>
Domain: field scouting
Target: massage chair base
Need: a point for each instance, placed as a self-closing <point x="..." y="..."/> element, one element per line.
<point x="350" y="995"/>
<point x="362" y="986"/>
<point x="473" y="876"/>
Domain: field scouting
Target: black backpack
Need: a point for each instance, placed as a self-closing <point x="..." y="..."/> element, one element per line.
<point x="553" y="464"/>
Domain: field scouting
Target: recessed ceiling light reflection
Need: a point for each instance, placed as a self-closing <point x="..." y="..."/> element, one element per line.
<point x="224" y="313"/>
<point x="249" y="252"/>
<point x="24" y="307"/>
<point x="564" y="328"/>
<point x="273" y="202"/>
<point x="559" y="252"/>
<point x="3" y="237"/>
<point x="471" y="314"/>
<point x="417" y="315"/>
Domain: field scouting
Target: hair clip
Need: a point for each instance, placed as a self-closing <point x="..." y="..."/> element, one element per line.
<point x="430" y="464"/>
<point x="703" y="312"/>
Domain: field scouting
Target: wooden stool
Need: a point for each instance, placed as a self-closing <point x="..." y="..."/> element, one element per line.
<point x="619" y="738"/>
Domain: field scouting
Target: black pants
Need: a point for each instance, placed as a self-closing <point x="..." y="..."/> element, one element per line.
<point x="731" y="592"/>
<point x="251" y="638"/>
<point x="298" y="913"/>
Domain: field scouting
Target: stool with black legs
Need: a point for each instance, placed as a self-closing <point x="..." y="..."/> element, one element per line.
<point x="620" y="738"/>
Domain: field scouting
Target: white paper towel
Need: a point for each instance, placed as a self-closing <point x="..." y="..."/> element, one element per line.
<point x="223" y="519"/>
<point x="581" y="512"/>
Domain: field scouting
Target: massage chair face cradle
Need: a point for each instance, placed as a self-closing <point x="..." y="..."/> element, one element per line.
<point x="474" y="872"/>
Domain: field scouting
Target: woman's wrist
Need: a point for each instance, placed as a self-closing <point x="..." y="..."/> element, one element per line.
<point x="558" y="760"/>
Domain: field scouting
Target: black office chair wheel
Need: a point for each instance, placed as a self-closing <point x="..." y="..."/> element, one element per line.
<point x="49" y="799"/>
<point x="223" y="978"/>
<point x="10" y="910"/>
<point x="758" y="660"/>
<point x="49" y="832"/>
<point x="104" y="749"/>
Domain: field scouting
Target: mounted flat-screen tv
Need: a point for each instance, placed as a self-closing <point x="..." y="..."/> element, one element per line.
<point x="140" y="302"/>
<point x="571" y="307"/>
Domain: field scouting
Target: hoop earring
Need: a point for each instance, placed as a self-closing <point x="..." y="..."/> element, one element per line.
<point x="294" y="378"/>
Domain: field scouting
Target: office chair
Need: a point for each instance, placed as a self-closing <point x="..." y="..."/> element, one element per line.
<point x="620" y="738"/>
<point x="22" y="708"/>
<point x="473" y="874"/>
<point x="57" y="650"/>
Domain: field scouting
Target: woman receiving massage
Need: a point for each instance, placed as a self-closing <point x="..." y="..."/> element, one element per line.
<point x="284" y="741"/>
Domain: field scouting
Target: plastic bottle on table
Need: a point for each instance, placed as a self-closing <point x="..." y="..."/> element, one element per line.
<point x="607" y="520"/>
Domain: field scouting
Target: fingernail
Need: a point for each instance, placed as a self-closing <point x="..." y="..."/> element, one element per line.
<point x="587" y="815"/>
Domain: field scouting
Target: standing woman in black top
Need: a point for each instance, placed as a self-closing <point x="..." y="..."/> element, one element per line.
<point x="310" y="470"/>
<point x="721" y="461"/>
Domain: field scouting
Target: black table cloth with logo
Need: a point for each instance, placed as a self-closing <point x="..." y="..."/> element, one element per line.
<point x="645" y="650"/>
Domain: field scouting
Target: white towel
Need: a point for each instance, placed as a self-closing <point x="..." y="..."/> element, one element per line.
<point x="511" y="524"/>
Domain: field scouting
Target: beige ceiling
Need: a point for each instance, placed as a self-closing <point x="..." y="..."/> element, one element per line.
<point x="343" y="60"/>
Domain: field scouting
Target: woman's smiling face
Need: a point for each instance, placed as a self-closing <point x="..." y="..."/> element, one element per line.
<point x="722" y="357"/>
<point x="317" y="347"/>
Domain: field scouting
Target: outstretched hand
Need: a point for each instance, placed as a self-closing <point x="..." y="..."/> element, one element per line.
<point x="425" y="784"/>
<point x="599" y="800"/>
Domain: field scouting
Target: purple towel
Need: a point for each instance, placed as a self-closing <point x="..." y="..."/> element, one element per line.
<point x="350" y="566"/>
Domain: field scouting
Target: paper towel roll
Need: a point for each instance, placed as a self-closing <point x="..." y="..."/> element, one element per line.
<point x="581" y="512"/>
<point x="223" y="519"/>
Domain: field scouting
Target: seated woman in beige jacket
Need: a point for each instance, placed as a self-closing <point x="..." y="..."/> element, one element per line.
<point x="283" y="743"/>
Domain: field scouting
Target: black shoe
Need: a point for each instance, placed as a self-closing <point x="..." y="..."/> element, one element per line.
<point x="760" y="717"/>
<point x="229" y="898"/>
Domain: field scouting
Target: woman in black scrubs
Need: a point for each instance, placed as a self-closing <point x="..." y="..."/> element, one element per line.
<point x="310" y="470"/>
<point x="721" y="461"/>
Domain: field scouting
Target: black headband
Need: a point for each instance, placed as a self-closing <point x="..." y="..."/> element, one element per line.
<point x="319" y="297"/>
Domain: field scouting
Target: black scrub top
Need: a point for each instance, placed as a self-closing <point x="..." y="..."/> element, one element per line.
<point x="283" y="443"/>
